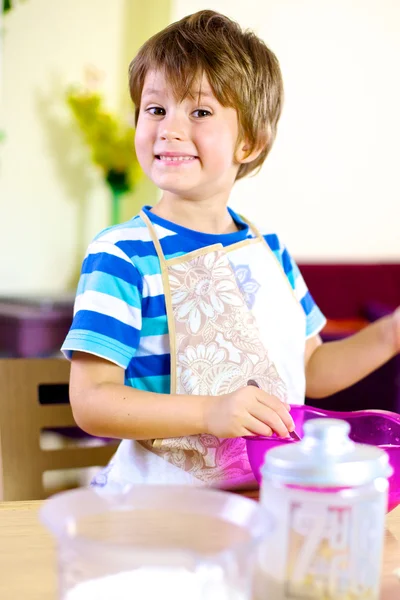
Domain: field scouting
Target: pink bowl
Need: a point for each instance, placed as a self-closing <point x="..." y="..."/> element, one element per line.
<point x="377" y="427"/>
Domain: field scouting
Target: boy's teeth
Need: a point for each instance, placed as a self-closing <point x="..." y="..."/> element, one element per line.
<point x="177" y="158"/>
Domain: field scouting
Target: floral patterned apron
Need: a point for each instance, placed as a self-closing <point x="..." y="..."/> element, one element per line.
<point x="218" y="342"/>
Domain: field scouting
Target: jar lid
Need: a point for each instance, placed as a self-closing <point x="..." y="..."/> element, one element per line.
<point x="326" y="456"/>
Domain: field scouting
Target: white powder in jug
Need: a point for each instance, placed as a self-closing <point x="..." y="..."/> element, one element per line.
<point x="154" y="583"/>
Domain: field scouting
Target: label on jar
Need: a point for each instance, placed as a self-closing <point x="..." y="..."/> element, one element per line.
<point x="333" y="552"/>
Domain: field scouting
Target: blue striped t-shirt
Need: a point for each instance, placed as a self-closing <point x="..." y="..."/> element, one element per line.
<point x="120" y="311"/>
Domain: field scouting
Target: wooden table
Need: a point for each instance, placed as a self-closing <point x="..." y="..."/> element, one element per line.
<point x="27" y="555"/>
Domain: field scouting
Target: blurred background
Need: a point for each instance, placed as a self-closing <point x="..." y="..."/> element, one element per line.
<point x="330" y="186"/>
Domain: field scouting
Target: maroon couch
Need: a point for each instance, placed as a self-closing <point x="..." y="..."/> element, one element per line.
<point x="351" y="296"/>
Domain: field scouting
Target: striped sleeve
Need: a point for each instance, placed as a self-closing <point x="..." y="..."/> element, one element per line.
<point x="315" y="320"/>
<point x="108" y="306"/>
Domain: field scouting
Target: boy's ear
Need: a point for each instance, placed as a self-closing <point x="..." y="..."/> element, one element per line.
<point x="242" y="154"/>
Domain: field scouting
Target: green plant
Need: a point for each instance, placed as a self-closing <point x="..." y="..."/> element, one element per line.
<point x="110" y="139"/>
<point x="7" y="5"/>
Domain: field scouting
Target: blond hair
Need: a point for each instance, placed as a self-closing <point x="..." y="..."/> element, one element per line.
<point x="242" y="71"/>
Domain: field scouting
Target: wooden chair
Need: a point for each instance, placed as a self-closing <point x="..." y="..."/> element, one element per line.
<point x="23" y="417"/>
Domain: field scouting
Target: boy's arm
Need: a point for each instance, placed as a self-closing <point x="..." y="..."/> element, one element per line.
<point x="104" y="406"/>
<point x="333" y="366"/>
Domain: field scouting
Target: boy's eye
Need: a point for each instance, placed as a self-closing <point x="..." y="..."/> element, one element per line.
<point x="156" y="110"/>
<point x="200" y="113"/>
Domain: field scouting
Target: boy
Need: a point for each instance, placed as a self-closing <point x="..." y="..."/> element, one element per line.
<point x="191" y="328"/>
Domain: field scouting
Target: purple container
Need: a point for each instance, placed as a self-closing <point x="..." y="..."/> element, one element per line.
<point x="376" y="427"/>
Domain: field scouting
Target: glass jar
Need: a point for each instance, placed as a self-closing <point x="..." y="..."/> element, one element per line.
<point x="155" y="541"/>
<point x="328" y="498"/>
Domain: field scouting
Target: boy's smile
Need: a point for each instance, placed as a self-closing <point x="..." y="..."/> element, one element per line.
<point x="186" y="147"/>
<point x="174" y="159"/>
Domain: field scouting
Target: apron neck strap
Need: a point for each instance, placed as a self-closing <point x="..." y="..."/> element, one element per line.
<point x="153" y="236"/>
<point x="254" y="229"/>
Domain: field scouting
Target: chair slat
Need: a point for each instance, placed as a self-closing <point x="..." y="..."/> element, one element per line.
<point x="77" y="457"/>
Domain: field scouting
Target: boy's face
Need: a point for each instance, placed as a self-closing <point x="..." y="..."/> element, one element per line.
<point x="186" y="148"/>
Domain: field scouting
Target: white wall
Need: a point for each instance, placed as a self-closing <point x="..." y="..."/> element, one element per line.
<point x="45" y="179"/>
<point x="331" y="185"/>
<point x="52" y="200"/>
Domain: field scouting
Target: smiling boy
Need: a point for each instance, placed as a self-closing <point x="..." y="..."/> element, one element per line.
<point x="180" y="307"/>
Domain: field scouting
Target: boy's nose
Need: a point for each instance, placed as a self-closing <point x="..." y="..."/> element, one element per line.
<point x="172" y="129"/>
<point x="169" y="135"/>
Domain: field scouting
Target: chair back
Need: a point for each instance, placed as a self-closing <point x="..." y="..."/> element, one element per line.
<point x="22" y="419"/>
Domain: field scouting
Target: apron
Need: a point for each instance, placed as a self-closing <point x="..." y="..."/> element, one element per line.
<point x="226" y="327"/>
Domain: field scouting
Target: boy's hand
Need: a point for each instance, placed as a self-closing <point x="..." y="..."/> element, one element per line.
<point x="247" y="411"/>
